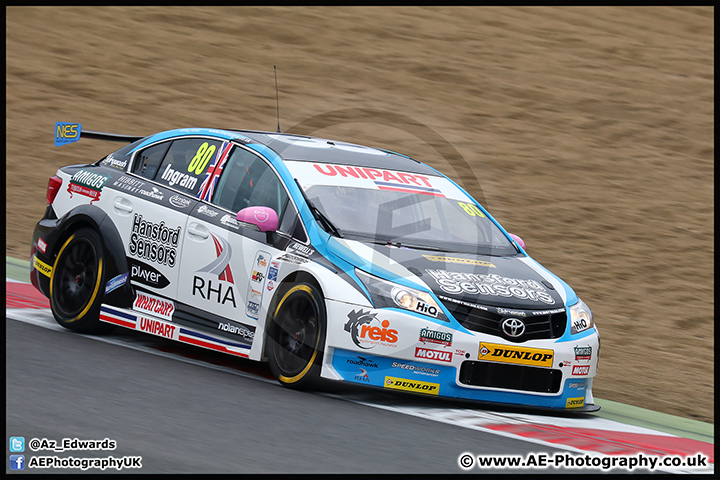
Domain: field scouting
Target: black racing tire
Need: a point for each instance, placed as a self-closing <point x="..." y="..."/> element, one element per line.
<point x="76" y="283"/>
<point x="296" y="337"/>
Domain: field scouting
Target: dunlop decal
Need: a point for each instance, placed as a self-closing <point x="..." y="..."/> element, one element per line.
<point x="42" y="267"/>
<point x="538" y="357"/>
<point x="412" y="385"/>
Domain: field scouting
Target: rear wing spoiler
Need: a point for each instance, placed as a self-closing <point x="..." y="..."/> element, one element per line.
<point x="71" y="132"/>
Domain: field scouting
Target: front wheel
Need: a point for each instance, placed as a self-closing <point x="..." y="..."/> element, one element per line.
<point x="296" y="337"/>
<point x="76" y="282"/>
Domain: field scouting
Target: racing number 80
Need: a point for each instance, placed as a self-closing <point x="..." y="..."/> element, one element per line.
<point x="201" y="158"/>
<point x="471" y="209"/>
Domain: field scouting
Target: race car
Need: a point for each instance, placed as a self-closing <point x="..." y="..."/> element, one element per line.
<point x="329" y="260"/>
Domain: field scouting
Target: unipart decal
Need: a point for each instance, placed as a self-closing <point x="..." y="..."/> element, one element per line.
<point x="463" y="261"/>
<point x="215" y="282"/>
<point x="429" y="354"/>
<point x="153" y="305"/>
<point x="493" y="352"/>
<point x="435" y="336"/>
<point x="87" y="183"/>
<point x="367" y="331"/>
<point x="258" y="272"/>
<point x="157" y="327"/>
<point x="383" y="179"/>
<point x="154" y="241"/>
<point x="490" y="285"/>
<point x="581" y="370"/>
<point x="412" y="385"/>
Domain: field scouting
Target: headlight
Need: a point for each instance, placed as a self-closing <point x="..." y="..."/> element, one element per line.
<point x="388" y="294"/>
<point x="581" y="318"/>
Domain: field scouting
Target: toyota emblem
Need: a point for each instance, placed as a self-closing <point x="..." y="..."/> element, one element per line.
<point x="513" y="327"/>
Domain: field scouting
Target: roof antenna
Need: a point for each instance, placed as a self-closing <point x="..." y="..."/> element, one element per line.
<point x="277" y="99"/>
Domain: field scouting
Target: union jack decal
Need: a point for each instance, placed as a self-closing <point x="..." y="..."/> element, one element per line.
<point x="208" y="186"/>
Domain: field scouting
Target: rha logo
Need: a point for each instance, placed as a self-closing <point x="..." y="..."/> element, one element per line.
<point x="433" y="354"/>
<point x="581" y="370"/>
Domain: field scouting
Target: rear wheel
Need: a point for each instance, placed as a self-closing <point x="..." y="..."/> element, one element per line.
<point x="296" y="337"/>
<point x="76" y="283"/>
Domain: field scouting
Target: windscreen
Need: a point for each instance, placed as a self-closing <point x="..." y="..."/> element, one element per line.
<point x="404" y="209"/>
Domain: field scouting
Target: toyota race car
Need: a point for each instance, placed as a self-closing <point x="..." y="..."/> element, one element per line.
<point x="328" y="260"/>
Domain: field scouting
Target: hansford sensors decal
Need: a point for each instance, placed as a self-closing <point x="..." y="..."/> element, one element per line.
<point x="492" y="284"/>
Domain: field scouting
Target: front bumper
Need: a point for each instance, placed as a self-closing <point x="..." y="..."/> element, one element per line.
<point x="398" y="350"/>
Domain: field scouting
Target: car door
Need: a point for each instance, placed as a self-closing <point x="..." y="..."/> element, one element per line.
<point x="225" y="263"/>
<point x="150" y="207"/>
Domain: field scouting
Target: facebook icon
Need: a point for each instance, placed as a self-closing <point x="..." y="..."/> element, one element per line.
<point x="17" y="462"/>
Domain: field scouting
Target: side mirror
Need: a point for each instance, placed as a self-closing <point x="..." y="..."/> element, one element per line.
<point x="265" y="218"/>
<point x="518" y="240"/>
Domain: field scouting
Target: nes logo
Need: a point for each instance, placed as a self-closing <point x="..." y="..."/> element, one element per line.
<point x="67" y="133"/>
<point x="154" y="306"/>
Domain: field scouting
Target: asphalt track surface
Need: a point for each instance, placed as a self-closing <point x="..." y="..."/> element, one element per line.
<point x="187" y="418"/>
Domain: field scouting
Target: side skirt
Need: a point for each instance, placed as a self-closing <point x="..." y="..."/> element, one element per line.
<point x="145" y="323"/>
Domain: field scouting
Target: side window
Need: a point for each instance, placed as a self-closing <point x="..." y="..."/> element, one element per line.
<point x="186" y="164"/>
<point x="247" y="181"/>
<point x="290" y="223"/>
<point x="148" y="160"/>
